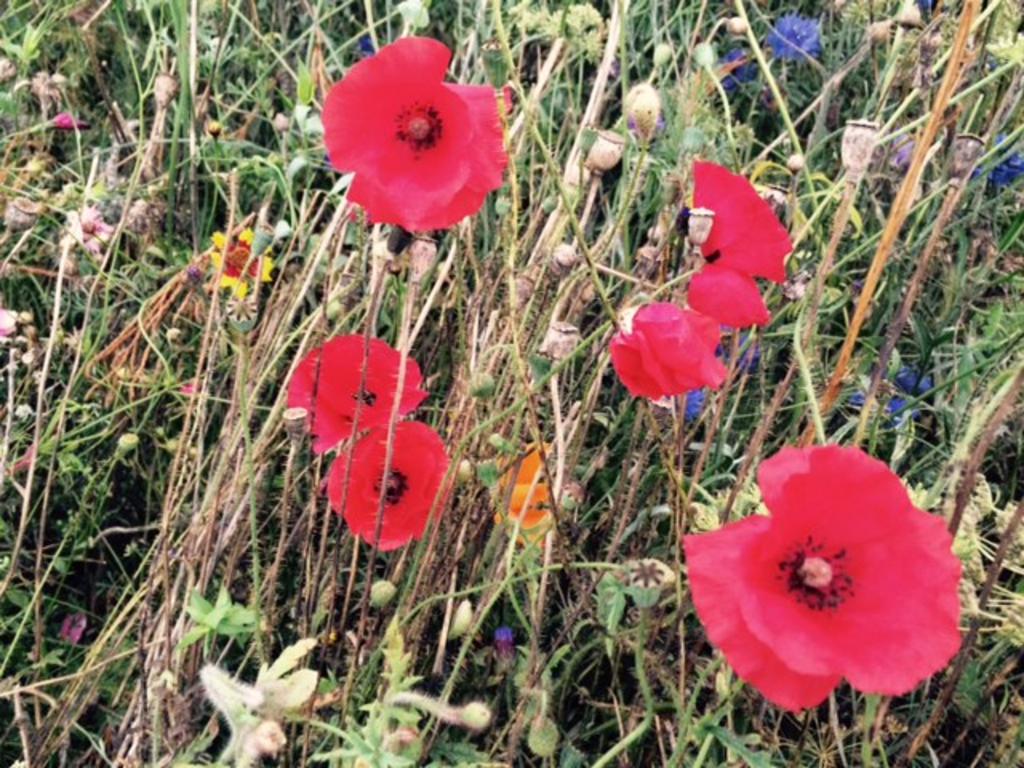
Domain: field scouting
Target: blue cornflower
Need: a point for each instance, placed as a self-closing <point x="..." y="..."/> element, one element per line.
<point x="912" y="381"/>
<point x="683" y="222"/>
<point x="694" y="404"/>
<point x="925" y="5"/>
<point x="750" y="357"/>
<point x="1010" y="168"/>
<point x="900" y="412"/>
<point x="795" y="37"/>
<point x="857" y="400"/>
<point x="658" y="126"/>
<point x="743" y="73"/>
<point x="366" y="47"/>
<point x="504" y="643"/>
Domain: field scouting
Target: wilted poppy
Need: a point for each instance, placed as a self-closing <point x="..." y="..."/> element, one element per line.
<point x="327" y="384"/>
<point x="845" y="579"/>
<point x="236" y="256"/>
<point x="418" y="465"/>
<point x="529" y="497"/>
<point x="667" y="351"/>
<point x="425" y="153"/>
<point x="746" y="241"/>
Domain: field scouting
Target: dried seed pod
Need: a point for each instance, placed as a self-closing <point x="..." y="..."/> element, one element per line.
<point x="606" y="151"/>
<point x="422" y="255"/>
<point x="967" y="148"/>
<point x="560" y="340"/>
<point x="564" y="258"/>
<point x="647" y="261"/>
<point x="296" y="422"/>
<point x="21" y="214"/>
<point x="858" y="145"/>
<point x="164" y="90"/>
<point x="699" y="225"/>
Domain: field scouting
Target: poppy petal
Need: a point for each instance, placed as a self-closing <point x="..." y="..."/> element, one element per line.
<point x="746" y="233"/>
<point x="713" y="561"/>
<point x="730" y="297"/>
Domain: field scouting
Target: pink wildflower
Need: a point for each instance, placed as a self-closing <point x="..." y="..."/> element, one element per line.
<point x="89" y="229"/>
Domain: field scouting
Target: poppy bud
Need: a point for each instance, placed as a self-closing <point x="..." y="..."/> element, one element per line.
<point x="164" y="90"/>
<point x="282" y="122"/>
<point x="699" y="225"/>
<point x="543" y="737"/>
<point x="475" y="716"/>
<point x="564" y="258"/>
<point x="736" y="26"/>
<point x="796" y="163"/>
<point x="857" y="147"/>
<point x="482" y="386"/>
<point x="606" y="151"/>
<point x="214" y="128"/>
<point x="967" y="148"/>
<point x="643" y="110"/>
<point x="422" y="255"/>
<point x="295" y="422"/>
<point x="462" y="620"/>
<point x="647" y="261"/>
<point x="495" y="64"/>
<point x="662" y="54"/>
<point x="382" y="592"/>
<point x="560" y="340"/>
<point x="464" y="473"/>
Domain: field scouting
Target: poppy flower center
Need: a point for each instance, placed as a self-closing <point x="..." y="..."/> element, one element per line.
<point x="419" y="126"/>
<point x="364" y="397"/>
<point x="816" y="578"/>
<point x="235" y="258"/>
<point x="395" y="487"/>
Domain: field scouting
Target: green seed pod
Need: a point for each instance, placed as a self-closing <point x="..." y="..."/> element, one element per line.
<point x="462" y="620"/>
<point x="495" y="64"/>
<point x="663" y="54"/>
<point x="476" y="716"/>
<point x="482" y="386"/>
<point x="543" y="737"/>
<point x="382" y="592"/>
<point x="127" y="443"/>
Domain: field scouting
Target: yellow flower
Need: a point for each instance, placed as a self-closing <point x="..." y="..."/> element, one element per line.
<point x="231" y="258"/>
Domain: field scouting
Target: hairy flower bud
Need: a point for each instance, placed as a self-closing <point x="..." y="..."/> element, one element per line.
<point x="736" y="26"/>
<point x="265" y="740"/>
<point x="643" y="110"/>
<point x="382" y="592"/>
<point x="543" y="736"/>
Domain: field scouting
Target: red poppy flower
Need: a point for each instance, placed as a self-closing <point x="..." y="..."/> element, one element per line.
<point x="728" y="296"/>
<point x="418" y="465"/>
<point x="425" y="153"/>
<point x="846" y="579"/>
<point x="745" y="236"/>
<point x="333" y="373"/>
<point x="667" y="351"/>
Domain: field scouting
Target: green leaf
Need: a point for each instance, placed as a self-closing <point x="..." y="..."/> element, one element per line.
<point x="611" y="604"/>
<point x="193" y="636"/>
<point x="733" y="742"/>
<point x="287" y="660"/>
<point x="306" y="88"/>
